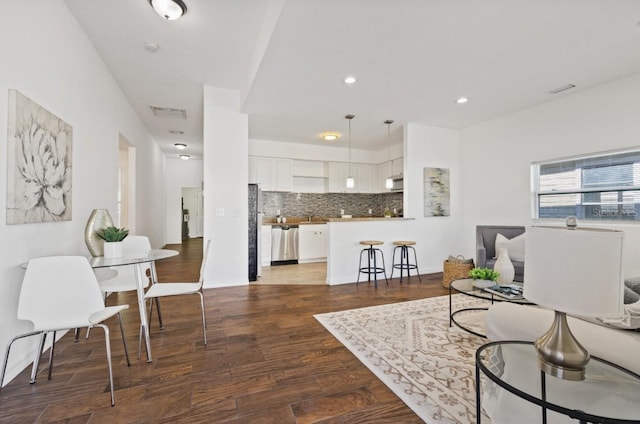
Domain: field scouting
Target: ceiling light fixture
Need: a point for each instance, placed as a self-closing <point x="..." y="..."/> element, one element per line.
<point x="180" y="146"/>
<point x="462" y="100"/>
<point x="349" y="80"/>
<point x="389" y="181"/>
<point x="169" y="9"/>
<point x="350" y="180"/>
<point x="329" y="136"/>
<point x="185" y="157"/>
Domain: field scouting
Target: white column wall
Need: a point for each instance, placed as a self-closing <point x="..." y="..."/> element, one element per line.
<point x="226" y="139"/>
<point x="496" y="155"/>
<point x="57" y="67"/>
<point x="180" y="173"/>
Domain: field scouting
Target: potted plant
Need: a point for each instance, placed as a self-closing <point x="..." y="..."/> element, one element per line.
<point x="112" y="237"/>
<point x="483" y="277"/>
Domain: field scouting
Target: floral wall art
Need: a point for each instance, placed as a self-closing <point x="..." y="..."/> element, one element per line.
<point x="39" y="163"/>
<point x="436" y="192"/>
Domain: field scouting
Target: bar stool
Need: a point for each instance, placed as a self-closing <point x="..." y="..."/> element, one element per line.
<point x="372" y="256"/>
<point x="404" y="246"/>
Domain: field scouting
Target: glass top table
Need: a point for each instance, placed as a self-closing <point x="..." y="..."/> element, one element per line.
<point x="137" y="261"/>
<point x="517" y="386"/>
<point x="465" y="286"/>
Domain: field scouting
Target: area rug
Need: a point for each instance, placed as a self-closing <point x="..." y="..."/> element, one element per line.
<point x="412" y="349"/>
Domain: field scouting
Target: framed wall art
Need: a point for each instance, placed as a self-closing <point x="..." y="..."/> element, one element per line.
<point x="39" y="163"/>
<point x="436" y="192"/>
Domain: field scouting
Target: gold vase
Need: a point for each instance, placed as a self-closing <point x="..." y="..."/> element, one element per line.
<point x="98" y="220"/>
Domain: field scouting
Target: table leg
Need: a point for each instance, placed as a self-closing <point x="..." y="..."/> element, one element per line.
<point x="144" y="325"/>
<point x="478" y="407"/>
<point x="154" y="280"/>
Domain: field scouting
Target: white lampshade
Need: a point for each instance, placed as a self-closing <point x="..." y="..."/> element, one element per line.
<point x="388" y="183"/>
<point x="576" y="271"/>
<point x="350" y="182"/>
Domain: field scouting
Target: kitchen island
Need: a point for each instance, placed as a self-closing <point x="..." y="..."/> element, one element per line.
<point x="343" y="239"/>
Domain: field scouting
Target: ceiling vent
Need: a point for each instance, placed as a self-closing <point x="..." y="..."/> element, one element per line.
<point x="176" y="132"/>
<point x="168" y="112"/>
<point x="561" y="89"/>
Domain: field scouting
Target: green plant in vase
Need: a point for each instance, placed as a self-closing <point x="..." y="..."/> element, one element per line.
<point x="484" y="277"/>
<point x="112" y="234"/>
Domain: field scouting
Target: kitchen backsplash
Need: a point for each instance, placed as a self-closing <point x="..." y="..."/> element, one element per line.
<point x="328" y="204"/>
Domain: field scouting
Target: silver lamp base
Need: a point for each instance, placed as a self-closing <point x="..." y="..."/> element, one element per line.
<point x="559" y="353"/>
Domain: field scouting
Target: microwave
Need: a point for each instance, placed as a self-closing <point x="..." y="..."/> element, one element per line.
<point x="397" y="183"/>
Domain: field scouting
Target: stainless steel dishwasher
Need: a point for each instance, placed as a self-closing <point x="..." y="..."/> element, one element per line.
<point x="284" y="244"/>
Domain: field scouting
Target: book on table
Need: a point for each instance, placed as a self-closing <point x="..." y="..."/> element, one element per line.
<point x="508" y="291"/>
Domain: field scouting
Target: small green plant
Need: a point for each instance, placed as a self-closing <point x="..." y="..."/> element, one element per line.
<point x="483" y="274"/>
<point x="112" y="234"/>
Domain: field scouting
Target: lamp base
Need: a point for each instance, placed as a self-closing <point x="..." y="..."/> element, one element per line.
<point x="559" y="353"/>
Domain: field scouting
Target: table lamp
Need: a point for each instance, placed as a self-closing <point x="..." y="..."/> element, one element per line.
<point x="575" y="271"/>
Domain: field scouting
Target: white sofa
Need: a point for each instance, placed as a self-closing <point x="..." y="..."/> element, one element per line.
<point x="508" y="321"/>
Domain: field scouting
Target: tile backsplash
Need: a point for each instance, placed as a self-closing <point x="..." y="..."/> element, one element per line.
<point x="328" y="204"/>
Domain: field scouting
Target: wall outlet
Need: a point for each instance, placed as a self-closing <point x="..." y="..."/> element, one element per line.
<point x="220" y="212"/>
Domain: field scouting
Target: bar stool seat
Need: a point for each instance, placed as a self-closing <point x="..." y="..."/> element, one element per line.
<point x="405" y="264"/>
<point x="372" y="261"/>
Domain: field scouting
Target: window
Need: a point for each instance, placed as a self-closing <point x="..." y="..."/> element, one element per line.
<point x="597" y="187"/>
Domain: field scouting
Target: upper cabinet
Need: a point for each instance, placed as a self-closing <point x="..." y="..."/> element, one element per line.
<point x="273" y="174"/>
<point x="310" y="176"/>
<point x="397" y="166"/>
<point x="364" y="176"/>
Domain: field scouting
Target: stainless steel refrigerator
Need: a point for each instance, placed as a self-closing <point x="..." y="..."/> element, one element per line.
<point x="255" y="226"/>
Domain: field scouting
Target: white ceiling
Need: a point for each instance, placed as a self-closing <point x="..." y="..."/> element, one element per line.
<point x="412" y="58"/>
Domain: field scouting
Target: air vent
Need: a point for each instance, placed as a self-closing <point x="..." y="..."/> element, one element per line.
<point x="176" y="132"/>
<point x="561" y="89"/>
<point x="168" y="112"/>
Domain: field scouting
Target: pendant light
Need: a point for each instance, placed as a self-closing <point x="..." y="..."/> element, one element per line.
<point x="350" y="180"/>
<point x="389" y="182"/>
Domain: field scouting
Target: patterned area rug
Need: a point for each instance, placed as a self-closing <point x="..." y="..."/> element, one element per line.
<point x="412" y="349"/>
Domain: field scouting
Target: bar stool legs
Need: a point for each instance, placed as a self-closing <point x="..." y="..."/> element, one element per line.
<point x="405" y="264"/>
<point x="372" y="262"/>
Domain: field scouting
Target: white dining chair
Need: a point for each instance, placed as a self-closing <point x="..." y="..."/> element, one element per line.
<point x="125" y="277"/>
<point x="158" y="290"/>
<point x="61" y="293"/>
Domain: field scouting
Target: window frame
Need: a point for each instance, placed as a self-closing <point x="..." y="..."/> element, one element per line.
<point x="606" y="157"/>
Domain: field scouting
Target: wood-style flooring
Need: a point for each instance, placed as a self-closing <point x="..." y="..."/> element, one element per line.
<point x="267" y="360"/>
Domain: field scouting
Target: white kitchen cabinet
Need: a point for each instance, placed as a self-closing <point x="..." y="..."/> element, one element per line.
<point x="312" y="243"/>
<point x="310" y="176"/>
<point x="364" y="176"/>
<point x="397" y="166"/>
<point x="265" y="245"/>
<point x="338" y="173"/>
<point x="384" y="172"/>
<point x="273" y="174"/>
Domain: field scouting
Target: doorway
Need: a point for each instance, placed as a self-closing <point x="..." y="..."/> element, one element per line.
<point x="192" y="212"/>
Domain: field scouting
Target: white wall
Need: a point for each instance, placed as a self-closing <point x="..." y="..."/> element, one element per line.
<point x="437" y="237"/>
<point x="495" y="156"/>
<point x="226" y="139"/>
<point x="179" y="173"/>
<point x="53" y="63"/>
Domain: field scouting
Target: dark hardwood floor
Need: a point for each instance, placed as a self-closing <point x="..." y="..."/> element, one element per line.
<point x="267" y="360"/>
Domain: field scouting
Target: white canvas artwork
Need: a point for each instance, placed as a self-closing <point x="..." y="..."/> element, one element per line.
<point x="39" y="148"/>
<point x="436" y="192"/>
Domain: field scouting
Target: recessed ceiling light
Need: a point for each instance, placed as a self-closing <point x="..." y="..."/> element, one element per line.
<point x="462" y="100"/>
<point x="349" y="80"/>
<point x="180" y="146"/>
<point x="329" y="136"/>
<point x="151" y="47"/>
<point x="184" y="157"/>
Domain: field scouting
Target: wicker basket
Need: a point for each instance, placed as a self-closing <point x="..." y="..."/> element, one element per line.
<point x="456" y="268"/>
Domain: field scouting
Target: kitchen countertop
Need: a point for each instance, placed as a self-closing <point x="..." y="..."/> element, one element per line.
<point x="323" y="220"/>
